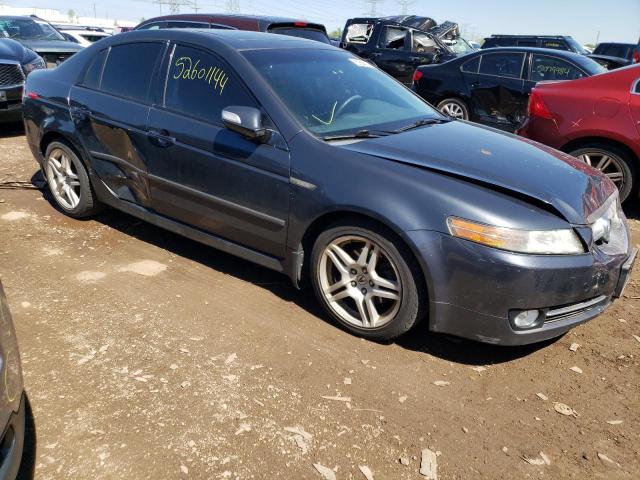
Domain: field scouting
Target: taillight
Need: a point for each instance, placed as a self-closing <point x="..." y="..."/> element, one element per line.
<point x="300" y="24"/>
<point x="33" y="95"/>
<point x="417" y="75"/>
<point x="636" y="56"/>
<point x="537" y="107"/>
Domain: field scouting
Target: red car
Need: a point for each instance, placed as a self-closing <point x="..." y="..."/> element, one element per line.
<point x="596" y="119"/>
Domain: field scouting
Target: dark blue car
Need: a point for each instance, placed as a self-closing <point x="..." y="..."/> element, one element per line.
<point x="308" y="160"/>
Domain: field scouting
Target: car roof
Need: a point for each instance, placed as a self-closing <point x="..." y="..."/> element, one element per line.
<point x="240" y="40"/>
<point x="544" y="51"/>
<point x="499" y="35"/>
<point x="206" y="16"/>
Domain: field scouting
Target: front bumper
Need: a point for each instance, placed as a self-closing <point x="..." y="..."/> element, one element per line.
<point x="12" y="443"/>
<point x="474" y="288"/>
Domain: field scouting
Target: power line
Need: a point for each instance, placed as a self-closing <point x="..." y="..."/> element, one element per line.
<point x="174" y="5"/>
<point x="232" y="6"/>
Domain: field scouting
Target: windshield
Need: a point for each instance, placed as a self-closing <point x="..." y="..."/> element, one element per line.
<point x="27" y="29"/>
<point x="308" y="33"/>
<point x="459" y="46"/>
<point x="576" y="46"/>
<point x="332" y="92"/>
<point x="614" y="50"/>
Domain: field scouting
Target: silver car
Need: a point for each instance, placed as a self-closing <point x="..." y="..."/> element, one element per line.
<point x="12" y="399"/>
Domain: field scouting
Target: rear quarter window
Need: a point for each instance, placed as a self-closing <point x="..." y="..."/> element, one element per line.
<point x="94" y="70"/>
<point x="129" y="70"/>
<point x="471" y="66"/>
<point x="358" y="33"/>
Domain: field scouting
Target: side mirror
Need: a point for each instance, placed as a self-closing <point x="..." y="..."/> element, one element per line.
<point x="247" y="121"/>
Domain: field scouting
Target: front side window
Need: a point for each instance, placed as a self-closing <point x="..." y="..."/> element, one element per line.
<point x="129" y="69"/>
<point x="544" y="67"/>
<point x="331" y="92"/>
<point x="423" y="43"/>
<point x="508" y="65"/>
<point x="200" y="85"/>
<point x="393" y="38"/>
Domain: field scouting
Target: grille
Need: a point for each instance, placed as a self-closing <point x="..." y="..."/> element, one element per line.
<point x="10" y="74"/>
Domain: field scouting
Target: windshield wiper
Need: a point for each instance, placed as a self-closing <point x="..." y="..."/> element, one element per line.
<point x="358" y="134"/>
<point x="422" y="122"/>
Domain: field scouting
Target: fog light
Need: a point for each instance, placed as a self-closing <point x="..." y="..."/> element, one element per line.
<point x="526" y="319"/>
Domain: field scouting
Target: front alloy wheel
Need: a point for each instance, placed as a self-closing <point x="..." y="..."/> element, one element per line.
<point x="360" y="282"/>
<point x="367" y="280"/>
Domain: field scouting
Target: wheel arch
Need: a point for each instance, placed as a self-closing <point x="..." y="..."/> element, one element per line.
<point x="55" y="135"/>
<point x="321" y="222"/>
<point x="580" y="142"/>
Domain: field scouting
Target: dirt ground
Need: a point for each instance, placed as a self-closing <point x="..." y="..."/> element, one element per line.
<point x="147" y="355"/>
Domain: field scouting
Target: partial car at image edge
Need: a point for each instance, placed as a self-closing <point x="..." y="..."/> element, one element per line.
<point x="308" y="160"/>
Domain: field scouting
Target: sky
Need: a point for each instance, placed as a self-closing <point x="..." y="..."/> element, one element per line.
<point x="585" y="20"/>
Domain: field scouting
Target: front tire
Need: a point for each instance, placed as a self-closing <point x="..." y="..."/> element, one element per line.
<point x="613" y="162"/>
<point x="454" y="108"/>
<point x="367" y="280"/>
<point x="68" y="181"/>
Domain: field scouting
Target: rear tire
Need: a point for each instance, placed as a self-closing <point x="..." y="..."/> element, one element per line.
<point x="68" y="181"/>
<point x="454" y="108"/>
<point x="367" y="280"/>
<point x="614" y="162"/>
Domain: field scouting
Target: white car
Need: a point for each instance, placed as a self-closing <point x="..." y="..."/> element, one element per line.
<point x="83" y="36"/>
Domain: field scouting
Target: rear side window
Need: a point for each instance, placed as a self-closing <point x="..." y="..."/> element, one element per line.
<point x="544" y="67"/>
<point x="94" y="71"/>
<point x="180" y="24"/>
<point x="153" y="26"/>
<point x="472" y="65"/>
<point x="508" y="65"/>
<point x="200" y="85"/>
<point x="393" y="38"/>
<point x="129" y="69"/>
<point x="308" y="33"/>
<point x="359" y="33"/>
<point x="555" y="44"/>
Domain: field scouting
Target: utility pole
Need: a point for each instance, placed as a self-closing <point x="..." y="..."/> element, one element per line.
<point x="372" y="6"/>
<point x="95" y="15"/>
<point x="232" y="6"/>
<point x="598" y="38"/>
<point x="174" y="5"/>
<point x="405" y="5"/>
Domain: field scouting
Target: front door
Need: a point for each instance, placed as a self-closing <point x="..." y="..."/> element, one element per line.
<point x="497" y="90"/>
<point x="110" y="107"/>
<point x="393" y="53"/>
<point x="216" y="179"/>
<point x="634" y="103"/>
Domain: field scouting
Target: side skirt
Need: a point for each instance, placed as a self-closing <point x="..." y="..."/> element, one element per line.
<point x="108" y="197"/>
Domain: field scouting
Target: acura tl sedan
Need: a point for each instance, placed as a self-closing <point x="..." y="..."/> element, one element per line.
<point x="305" y="159"/>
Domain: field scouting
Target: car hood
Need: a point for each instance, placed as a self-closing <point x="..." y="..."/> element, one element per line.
<point x="51" y="46"/>
<point x="11" y="50"/>
<point x="500" y="161"/>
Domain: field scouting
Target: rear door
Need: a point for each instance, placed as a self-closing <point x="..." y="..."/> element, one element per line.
<point x="110" y="107"/>
<point x="393" y="52"/>
<point x="213" y="178"/>
<point x="497" y="90"/>
<point x="634" y="103"/>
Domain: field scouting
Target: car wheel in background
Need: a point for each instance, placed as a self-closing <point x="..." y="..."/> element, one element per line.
<point x="614" y="162"/>
<point x="68" y="181"/>
<point x="454" y="108"/>
<point x="367" y="280"/>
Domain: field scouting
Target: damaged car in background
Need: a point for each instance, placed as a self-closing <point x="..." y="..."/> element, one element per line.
<point x="308" y="160"/>
<point x="39" y="36"/>
<point x="399" y="44"/>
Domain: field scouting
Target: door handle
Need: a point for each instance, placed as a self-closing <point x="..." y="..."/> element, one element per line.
<point x="474" y="84"/>
<point x="162" y="137"/>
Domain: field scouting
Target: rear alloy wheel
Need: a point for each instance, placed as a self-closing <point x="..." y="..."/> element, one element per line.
<point x="612" y="162"/>
<point x="454" y="108"/>
<point x="366" y="282"/>
<point x="68" y="181"/>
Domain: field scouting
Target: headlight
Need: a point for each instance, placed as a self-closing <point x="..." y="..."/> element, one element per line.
<point x="538" y="242"/>
<point x="35" y="64"/>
